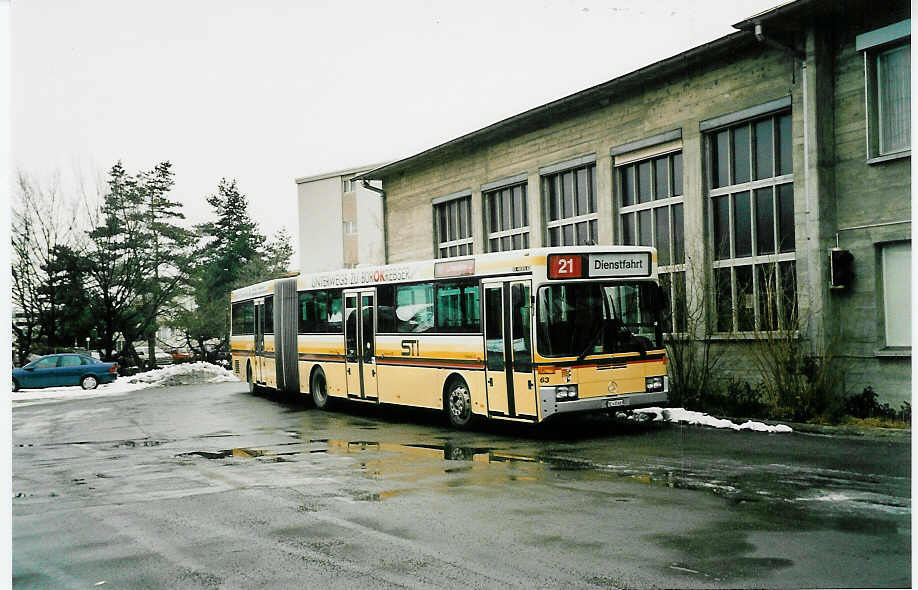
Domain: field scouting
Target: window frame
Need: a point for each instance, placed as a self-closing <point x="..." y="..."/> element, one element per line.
<point x="886" y="249"/>
<point x="873" y="44"/>
<point x="777" y="260"/>
<point x="674" y="271"/>
<point x="464" y="244"/>
<point x="506" y="192"/>
<point x="547" y="177"/>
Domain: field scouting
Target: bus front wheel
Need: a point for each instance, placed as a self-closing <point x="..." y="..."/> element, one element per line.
<point x="319" y="390"/>
<point x="458" y="404"/>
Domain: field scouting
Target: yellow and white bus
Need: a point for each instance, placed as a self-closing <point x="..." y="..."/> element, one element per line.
<point x="520" y="335"/>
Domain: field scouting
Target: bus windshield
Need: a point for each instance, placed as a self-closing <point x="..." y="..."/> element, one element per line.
<point x="580" y="319"/>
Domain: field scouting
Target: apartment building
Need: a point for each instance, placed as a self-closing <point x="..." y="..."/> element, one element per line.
<point x="340" y="221"/>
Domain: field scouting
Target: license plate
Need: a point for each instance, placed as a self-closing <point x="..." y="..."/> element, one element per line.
<point x="611" y="403"/>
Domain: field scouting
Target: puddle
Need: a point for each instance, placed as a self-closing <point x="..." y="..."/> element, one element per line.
<point x="137" y="443"/>
<point x="377" y="496"/>
<point x="453" y="453"/>
<point x="802" y="497"/>
<point x="718" y="553"/>
<point x="237" y="452"/>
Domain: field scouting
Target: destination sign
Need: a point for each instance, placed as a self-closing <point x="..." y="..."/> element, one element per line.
<point x="619" y="264"/>
<point x="607" y="264"/>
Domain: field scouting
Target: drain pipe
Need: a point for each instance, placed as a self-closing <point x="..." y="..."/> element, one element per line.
<point x="385" y="217"/>
<point x="801" y="57"/>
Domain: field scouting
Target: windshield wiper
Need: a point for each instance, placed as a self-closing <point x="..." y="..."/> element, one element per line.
<point x="592" y="342"/>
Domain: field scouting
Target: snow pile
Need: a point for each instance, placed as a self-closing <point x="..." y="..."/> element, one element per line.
<point x="681" y="415"/>
<point x="183" y="374"/>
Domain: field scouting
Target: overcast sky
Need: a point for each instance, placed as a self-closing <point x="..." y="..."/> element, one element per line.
<point x="266" y="92"/>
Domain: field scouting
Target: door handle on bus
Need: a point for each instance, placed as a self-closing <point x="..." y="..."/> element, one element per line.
<point x="530" y="384"/>
<point x="348" y="370"/>
<point x="491" y="381"/>
<point x="373" y="372"/>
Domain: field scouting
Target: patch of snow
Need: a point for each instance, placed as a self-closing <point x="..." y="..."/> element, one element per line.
<point x="181" y="374"/>
<point x="681" y="415"/>
<point x="184" y="374"/>
<point x="859" y="500"/>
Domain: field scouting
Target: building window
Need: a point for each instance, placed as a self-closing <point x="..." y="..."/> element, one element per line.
<point x="651" y="214"/>
<point x="897" y="293"/>
<point x="453" y="223"/>
<point x="887" y="74"/>
<point x="350" y="227"/>
<point x="347" y="185"/>
<point x="893" y="72"/>
<point x="507" y="218"/>
<point x="752" y="225"/>
<point x="570" y="206"/>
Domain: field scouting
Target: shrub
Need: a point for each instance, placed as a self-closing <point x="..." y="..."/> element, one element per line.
<point x="745" y="400"/>
<point x="865" y="405"/>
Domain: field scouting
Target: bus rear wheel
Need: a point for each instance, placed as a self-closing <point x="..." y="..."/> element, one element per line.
<point x="249" y="379"/>
<point x="457" y="402"/>
<point x="319" y="389"/>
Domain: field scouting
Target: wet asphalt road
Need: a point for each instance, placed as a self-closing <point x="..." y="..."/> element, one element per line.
<point x="211" y="487"/>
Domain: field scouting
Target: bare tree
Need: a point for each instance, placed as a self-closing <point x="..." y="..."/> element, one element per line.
<point x="692" y="356"/>
<point x="43" y="223"/>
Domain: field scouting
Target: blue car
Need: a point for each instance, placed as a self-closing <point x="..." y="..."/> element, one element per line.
<point x="57" y="370"/>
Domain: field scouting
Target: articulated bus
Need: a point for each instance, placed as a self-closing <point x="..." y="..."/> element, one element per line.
<point x="521" y="336"/>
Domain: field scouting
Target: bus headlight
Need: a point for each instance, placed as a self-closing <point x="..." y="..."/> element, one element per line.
<point x="653" y="383"/>
<point x="565" y="392"/>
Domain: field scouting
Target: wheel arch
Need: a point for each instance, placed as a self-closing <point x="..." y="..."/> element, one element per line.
<point x="316" y="368"/>
<point x="450" y="379"/>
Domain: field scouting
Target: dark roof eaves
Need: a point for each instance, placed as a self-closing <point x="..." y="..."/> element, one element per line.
<point x="790" y="10"/>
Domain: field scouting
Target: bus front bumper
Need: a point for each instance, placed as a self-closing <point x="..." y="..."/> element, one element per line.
<point x="629" y="401"/>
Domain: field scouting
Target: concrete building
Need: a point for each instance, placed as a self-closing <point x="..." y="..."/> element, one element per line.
<point x="744" y="161"/>
<point x="340" y="222"/>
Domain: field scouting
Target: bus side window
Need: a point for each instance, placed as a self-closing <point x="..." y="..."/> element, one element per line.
<point x="333" y="323"/>
<point x="321" y="311"/>
<point x="243" y="321"/>
<point x="471" y="308"/>
<point x="385" y="309"/>
<point x="269" y="315"/>
<point x="305" y="323"/>
<point x="449" y="307"/>
<point x="414" y="308"/>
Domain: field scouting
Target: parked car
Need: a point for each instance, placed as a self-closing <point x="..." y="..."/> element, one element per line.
<point x="181" y="356"/>
<point x="57" y="370"/>
<point x="161" y="356"/>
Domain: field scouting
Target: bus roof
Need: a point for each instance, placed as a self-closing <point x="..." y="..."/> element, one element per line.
<point x="479" y="265"/>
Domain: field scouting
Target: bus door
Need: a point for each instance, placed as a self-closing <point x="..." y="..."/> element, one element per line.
<point x="258" y="360"/>
<point x="524" y="390"/>
<point x="508" y="347"/>
<point x="360" y="343"/>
